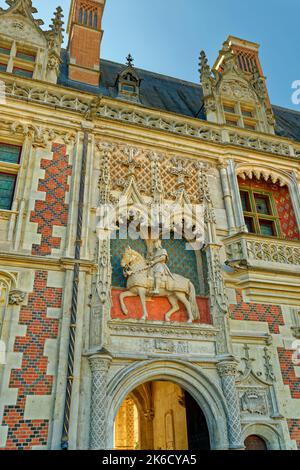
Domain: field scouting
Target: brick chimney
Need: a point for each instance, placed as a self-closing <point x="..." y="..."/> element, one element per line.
<point x="85" y="35"/>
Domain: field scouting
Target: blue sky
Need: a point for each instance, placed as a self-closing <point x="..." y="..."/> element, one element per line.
<point x="166" y="36"/>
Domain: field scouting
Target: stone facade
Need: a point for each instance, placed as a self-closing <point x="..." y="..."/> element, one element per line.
<point x="71" y="354"/>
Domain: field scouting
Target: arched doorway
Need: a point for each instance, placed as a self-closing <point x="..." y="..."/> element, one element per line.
<point x="193" y="379"/>
<point x="254" y="442"/>
<point x="160" y="415"/>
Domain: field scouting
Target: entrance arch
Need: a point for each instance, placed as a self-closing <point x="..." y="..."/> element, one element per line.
<point x="192" y="379"/>
<point x="160" y="416"/>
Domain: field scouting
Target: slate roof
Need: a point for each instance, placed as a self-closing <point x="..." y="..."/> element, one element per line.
<point x="170" y="94"/>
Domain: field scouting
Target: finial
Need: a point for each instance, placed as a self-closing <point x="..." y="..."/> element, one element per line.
<point x="204" y="67"/>
<point x="129" y="59"/>
<point x="57" y="21"/>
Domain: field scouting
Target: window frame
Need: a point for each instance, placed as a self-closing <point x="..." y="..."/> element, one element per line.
<point x="13" y="61"/>
<point x="8" y="168"/>
<point x="257" y="216"/>
<point x="238" y="118"/>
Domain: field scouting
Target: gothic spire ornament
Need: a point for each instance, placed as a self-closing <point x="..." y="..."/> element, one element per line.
<point x="129" y="60"/>
<point x="204" y="68"/>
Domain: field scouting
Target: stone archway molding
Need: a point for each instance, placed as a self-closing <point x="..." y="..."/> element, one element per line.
<point x="193" y="379"/>
<point x="263" y="172"/>
<point x="268" y="433"/>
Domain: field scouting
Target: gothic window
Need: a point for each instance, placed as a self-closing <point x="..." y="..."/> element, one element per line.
<point x="80" y="16"/>
<point x="239" y="114"/>
<point x="90" y="18"/>
<point x="259" y="212"/>
<point x="85" y="17"/>
<point x="9" y="165"/>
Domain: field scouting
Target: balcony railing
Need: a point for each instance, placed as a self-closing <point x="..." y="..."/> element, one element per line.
<point x="246" y="249"/>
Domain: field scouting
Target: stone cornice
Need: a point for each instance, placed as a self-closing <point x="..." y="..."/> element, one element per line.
<point x="83" y="103"/>
<point x="36" y="262"/>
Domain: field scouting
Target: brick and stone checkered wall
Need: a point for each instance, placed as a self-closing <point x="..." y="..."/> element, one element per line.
<point x="53" y="211"/>
<point x="288" y="372"/>
<point x="271" y="314"/>
<point x="32" y="378"/>
<point x="294" y="428"/>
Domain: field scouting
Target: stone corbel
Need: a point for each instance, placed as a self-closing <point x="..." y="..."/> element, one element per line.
<point x="16" y="297"/>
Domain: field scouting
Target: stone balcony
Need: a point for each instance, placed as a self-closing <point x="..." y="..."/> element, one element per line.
<point x="268" y="268"/>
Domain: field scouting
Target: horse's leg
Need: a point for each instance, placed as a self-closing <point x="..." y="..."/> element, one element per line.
<point x="174" y="306"/>
<point x="142" y="294"/>
<point x="123" y="296"/>
<point x="182" y="297"/>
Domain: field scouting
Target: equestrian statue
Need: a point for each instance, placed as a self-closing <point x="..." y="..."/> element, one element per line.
<point x="152" y="277"/>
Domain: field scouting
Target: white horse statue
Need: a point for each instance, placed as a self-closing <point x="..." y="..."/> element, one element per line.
<point x="140" y="282"/>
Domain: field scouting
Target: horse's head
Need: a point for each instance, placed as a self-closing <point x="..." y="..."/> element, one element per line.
<point x="130" y="257"/>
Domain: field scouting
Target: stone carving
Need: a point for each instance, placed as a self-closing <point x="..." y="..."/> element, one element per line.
<point x="264" y="174"/>
<point x="121" y="112"/>
<point x="256" y="143"/>
<point x="154" y="278"/>
<point x="157" y="187"/>
<point x="278" y="251"/>
<point x="269" y="371"/>
<point x="236" y="89"/>
<point x="181" y="172"/>
<point x="254" y="402"/>
<point x="41" y="136"/>
<point x="16" y="297"/>
<point x="164" y="346"/>
<point x="187" y="331"/>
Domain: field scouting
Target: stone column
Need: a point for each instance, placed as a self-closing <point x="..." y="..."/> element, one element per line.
<point x="98" y="422"/>
<point x="227" y="197"/>
<point x="237" y="203"/>
<point x="227" y="371"/>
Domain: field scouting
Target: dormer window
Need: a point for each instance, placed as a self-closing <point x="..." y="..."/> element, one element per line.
<point x="240" y="114"/>
<point x="17" y="60"/>
<point x="129" y="82"/>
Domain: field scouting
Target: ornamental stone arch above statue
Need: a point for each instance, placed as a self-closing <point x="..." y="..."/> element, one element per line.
<point x="191" y="378"/>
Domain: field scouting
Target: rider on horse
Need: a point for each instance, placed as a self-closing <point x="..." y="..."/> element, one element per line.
<point x="159" y="266"/>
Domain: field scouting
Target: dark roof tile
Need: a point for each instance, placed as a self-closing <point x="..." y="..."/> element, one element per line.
<point x="170" y="94"/>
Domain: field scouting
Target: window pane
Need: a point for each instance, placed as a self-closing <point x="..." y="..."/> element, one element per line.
<point x="251" y="126"/>
<point x="7" y="186"/>
<point x="3" y="67"/>
<point x="247" y="112"/>
<point x="10" y="153"/>
<point x="128" y="88"/>
<point x="245" y="201"/>
<point x="25" y="56"/>
<point x="22" y="72"/>
<point x="262" y="204"/>
<point x="229" y="108"/>
<point x="267" y="227"/>
<point x="231" y="122"/>
<point x="249" y="224"/>
<point x="4" y="50"/>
